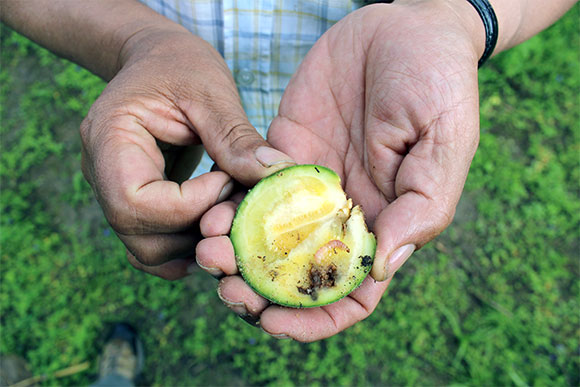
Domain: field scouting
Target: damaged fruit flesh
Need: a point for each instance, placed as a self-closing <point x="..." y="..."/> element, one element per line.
<point x="298" y="240"/>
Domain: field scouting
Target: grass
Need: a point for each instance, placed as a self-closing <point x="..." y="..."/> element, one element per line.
<point x="492" y="301"/>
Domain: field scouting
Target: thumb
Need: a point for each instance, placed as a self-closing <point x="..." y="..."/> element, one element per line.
<point x="234" y="144"/>
<point x="408" y="223"/>
<point x="242" y="152"/>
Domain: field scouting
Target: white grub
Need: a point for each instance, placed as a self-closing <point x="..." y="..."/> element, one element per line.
<point x="332" y="245"/>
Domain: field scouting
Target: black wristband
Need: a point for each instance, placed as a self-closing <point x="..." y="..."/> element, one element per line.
<point x="489" y="19"/>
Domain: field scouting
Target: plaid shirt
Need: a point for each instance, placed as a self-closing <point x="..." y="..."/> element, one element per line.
<point x="262" y="42"/>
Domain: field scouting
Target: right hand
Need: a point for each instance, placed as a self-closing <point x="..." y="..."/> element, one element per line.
<point x="372" y="100"/>
<point x="175" y="91"/>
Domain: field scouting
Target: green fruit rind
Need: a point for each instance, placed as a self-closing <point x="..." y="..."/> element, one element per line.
<point x="298" y="242"/>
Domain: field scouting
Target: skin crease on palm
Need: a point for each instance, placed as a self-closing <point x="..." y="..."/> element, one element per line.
<point x="391" y="104"/>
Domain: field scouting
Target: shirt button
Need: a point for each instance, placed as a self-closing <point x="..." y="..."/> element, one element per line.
<point x="245" y="77"/>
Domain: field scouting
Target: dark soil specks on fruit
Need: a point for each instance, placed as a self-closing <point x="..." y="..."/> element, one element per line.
<point x="366" y="261"/>
<point x="319" y="277"/>
<point x="273" y="274"/>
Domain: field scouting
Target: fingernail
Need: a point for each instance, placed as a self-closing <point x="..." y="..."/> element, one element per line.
<point x="279" y="336"/>
<point x="238" y="307"/>
<point x="269" y="157"/>
<point x="226" y="191"/>
<point x="398" y="258"/>
<point x="211" y="270"/>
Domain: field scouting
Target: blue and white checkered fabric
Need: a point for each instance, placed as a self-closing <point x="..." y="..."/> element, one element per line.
<point x="262" y="42"/>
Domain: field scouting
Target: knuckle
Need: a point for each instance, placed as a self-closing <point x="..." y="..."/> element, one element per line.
<point x="90" y="124"/>
<point x="443" y="218"/>
<point x="85" y="167"/>
<point x="132" y="259"/>
<point x="146" y="257"/>
<point x="232" y="130"/>
<point x="84" y="128"/>
<point x="120" y="220"/>
<point x="121" y="210"/>
<point x="115" y="221"/>
<point x="236" y="131"/>
<point x="164" y="274"/>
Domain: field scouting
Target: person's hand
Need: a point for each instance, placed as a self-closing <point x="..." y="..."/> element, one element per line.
<point x="388" y="99"/>
<point x="173" y="91"/>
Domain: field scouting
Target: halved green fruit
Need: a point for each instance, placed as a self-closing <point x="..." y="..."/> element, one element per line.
<point x="298" y="241"/>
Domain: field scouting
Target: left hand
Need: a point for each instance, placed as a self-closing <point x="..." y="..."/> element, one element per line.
<point x="388" y="99"/>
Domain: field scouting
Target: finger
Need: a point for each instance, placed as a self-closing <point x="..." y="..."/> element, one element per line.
<point x="386" y="151"/>
<point x="218" y="219"/>
<point x="164" y="206"/>
<point x="216" y="256"/>
<point x="163" y="121"/>
<point x="239" y="297"/>
<point x="172" y="270"/>
<point x="124" y="165"/>
<point x="308" y="325"/>
<point x="428" y="187"/>
<point x="137" y="200"/>
<point x="156" y="249"/>
<point x="230" y="139"/>
<point x="369" y="293"/>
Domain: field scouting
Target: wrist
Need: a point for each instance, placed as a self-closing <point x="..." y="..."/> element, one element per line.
<point x="148" y="40"/>
<point x="470" y="21"/>
<point x="511" y="15"/>
<point x="508" y="14"/>
<point x="169" y="42"/>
